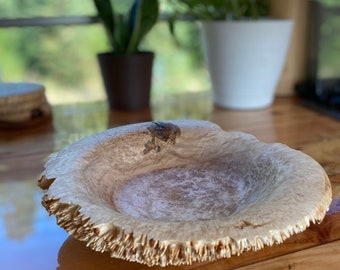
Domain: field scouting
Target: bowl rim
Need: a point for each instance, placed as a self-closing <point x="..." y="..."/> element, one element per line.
<point x="122" y="235"/>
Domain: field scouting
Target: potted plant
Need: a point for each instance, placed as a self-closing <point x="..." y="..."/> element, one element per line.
<point x="126" y="70"/>
<point x="245" y="50"/>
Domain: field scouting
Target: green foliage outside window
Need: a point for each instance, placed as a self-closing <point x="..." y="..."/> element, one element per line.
<point x="64" y="57"/>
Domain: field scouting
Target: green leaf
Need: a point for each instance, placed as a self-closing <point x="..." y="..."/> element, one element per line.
<point x="171" y="23"/>
<point x="125" y="29"/>
<point x="122" y="34"/>
<point x="106" y="14"/>
<point x="221" y="9"/>
<point x="143" y="16"/>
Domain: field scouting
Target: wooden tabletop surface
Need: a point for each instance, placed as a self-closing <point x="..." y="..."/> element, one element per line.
<point x="30" y="239"/>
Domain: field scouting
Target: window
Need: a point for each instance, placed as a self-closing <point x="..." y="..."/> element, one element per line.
<point x="63" y="57"/>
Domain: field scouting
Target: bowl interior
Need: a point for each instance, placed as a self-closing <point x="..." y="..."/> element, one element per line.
<point x="203" y="191"/>
<point x="187" y="182"/>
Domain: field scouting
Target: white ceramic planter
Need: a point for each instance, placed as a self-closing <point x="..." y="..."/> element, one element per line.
<point x="245" y="60"/>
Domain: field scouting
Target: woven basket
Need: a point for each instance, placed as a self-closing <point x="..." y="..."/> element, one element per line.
<point x="22" y="104"/>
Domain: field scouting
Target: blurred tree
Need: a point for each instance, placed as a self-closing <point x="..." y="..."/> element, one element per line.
<point x="64" y="57"/>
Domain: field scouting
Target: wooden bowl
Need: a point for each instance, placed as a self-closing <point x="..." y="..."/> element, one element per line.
<point x="178" y="192"/>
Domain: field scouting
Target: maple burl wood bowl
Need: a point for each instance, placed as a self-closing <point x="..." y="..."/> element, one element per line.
<point x="178" y="192"/>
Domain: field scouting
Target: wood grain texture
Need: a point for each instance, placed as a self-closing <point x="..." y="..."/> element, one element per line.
<point x="178" y="192"/>
<point x="322" y="257"/>
<point x="22" y="154"/>
<point x="314" y="240"/>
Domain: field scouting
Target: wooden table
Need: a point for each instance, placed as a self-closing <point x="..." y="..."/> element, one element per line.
<point x="30" y="239"/>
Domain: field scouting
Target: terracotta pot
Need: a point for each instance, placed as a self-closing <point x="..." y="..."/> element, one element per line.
<point x="127" y="79"/>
